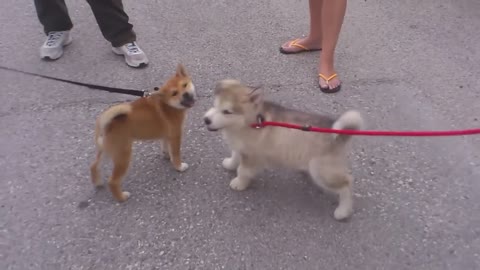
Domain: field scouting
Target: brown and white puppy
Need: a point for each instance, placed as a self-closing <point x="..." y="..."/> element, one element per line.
<point x="159" y="116"/>
<point x="323" y="155"/>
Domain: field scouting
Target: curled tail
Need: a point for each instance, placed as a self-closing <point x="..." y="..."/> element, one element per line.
<point x="350" y="120"/>
<point x="119" y="111"/>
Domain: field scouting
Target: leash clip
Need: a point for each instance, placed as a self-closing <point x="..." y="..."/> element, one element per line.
<point x="146" y="93"/>
<point x="260" y="120"/>
<point x="306" y="127"/>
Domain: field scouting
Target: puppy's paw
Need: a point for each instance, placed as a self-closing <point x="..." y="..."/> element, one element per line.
<point x="166" y="155"/>
<point x="342" y="213"/>
<point x="95" y="177"/>
<point x="183" y="167"/>
<point x="125" y="196"/>
<point x="239" y="184"/>
<point x="98" y="184"/>
<point x="229" y="164"/>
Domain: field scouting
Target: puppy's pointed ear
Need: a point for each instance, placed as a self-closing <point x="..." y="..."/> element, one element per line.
<point x="256" y="96"/>
<point x="181" y="71"/>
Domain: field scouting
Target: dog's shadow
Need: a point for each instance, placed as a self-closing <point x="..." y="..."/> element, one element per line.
<point x="147" y="175"/>
<point x="287" y="191"/>
<point x="271" y="193"/>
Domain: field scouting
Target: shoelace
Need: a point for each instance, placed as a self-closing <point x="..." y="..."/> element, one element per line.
<point x="53" y="38"/>
<point x="132" y="48"/>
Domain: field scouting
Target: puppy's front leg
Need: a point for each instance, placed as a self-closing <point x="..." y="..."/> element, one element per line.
<point x="245" y="173"/>
<point x="174" y="144"/>
<point x="232" y="162"/>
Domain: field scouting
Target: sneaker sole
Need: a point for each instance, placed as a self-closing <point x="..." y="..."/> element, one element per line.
<point x="47" y="56"/>
<point x="129" y="62"/>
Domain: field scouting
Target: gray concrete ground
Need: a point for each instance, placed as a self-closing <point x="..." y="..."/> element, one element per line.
<point x="405" y="64"/>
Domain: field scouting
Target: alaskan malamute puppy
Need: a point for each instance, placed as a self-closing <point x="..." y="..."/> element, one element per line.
<point x="324" y="156"/>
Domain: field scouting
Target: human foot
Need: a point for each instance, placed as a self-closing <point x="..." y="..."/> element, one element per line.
<point x="300" y="45"/>
<point x="328" y="80"/>
<point x="52" y="48"/>
<point x="134" y="56"/>
<point x="329" y="84"/>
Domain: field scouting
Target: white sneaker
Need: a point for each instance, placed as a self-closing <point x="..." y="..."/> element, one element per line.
<point x="134" y="56"/>
<point x="52" y="48"/>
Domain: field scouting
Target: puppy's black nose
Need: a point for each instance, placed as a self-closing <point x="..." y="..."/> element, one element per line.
<point x="207" y="121"/>
<point x="188" y="97"/>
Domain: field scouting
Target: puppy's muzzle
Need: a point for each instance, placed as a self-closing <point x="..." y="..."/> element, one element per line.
<point x="208" y="122"/>
<point x="188" y="100"/>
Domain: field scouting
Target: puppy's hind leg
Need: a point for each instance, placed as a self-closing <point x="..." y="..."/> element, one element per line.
<point x="334" y="178"/>
<point x="246" y="171"/>
<point x="164" y="147"/>
<point x="232" y="162"/>
<point x="345" y="206"/>
<point x="94" y="172"/>
<point x="121" y="161"/>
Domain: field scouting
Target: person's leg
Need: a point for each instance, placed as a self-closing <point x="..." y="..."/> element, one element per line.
<point x="113" y="21"/>
<point x="333" y="12"/>
<point x="314" y="39"/>
<point x="114" y="25"/>
<point x="54" y="17"/>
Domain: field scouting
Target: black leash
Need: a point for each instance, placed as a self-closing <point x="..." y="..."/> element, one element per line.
<point x="133" y="92"/>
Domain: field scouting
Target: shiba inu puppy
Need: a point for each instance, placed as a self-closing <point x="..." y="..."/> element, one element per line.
<point x="323" y="156"/>
<point x="159" y="116"/>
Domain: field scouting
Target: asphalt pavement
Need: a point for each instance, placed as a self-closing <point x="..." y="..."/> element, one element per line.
<point x="406" y="65"/>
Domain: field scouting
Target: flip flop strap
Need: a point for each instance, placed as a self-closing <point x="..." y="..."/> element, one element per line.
<point x="327" y="79"/>
<point x="294" y="43"/>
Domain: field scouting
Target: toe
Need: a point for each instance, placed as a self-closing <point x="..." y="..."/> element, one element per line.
<point x="288" y="47"/>
<point x="334" y="83"/>
<point x="331" y="84"/>
<point x="323" y="83"/>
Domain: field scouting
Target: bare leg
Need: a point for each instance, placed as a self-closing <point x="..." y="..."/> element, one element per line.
<point x="332" y="15"/>
<point x="314" y="39"/>
<point x="232" y="162"/>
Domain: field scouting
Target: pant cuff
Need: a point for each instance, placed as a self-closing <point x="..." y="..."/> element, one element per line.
<point x="124" y="38"/>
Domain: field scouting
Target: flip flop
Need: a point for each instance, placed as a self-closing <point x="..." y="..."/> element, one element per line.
<point x="327" y="79"/>
<point x="294" y="43"/>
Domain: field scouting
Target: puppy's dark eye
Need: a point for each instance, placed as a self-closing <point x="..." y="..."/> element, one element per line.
<point x="174" y="93"/>
<point x="156" y="88"/>
<point x="185" y="85"/>
<point x="226" y="112"/>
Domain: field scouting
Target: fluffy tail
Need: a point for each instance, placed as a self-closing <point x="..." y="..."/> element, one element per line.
<point x="350" y="120"/>
<point x="107" y="117"/>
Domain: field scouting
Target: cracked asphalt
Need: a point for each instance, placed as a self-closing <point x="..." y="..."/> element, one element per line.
<point x="408" y="65"/>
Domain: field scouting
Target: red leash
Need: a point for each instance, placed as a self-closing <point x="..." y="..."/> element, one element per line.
<point x="371" y="132"/>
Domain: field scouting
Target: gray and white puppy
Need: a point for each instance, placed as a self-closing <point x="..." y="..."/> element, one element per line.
<point x="323" y="156"/>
